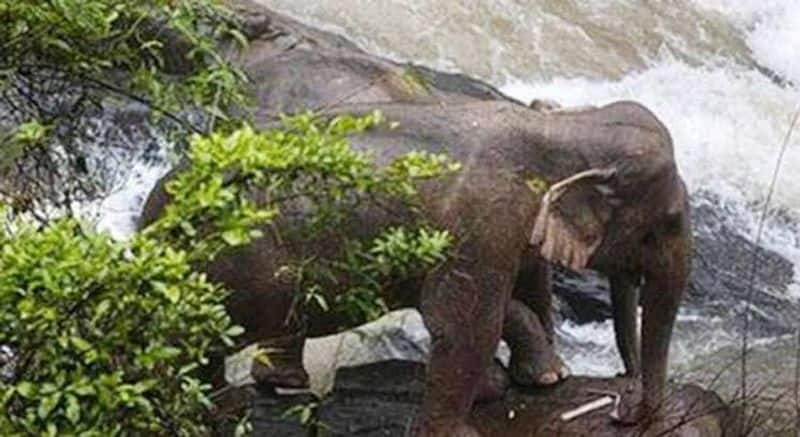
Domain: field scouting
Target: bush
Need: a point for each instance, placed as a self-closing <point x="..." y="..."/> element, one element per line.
<point x="108" y="336"/>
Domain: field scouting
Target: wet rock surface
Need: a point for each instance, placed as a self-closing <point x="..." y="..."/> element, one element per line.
<point x="582" y="297"/>
<point x="381" y="400"/>
<point x="729" y="269"/>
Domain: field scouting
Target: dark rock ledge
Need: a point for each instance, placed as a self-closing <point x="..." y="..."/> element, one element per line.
<point x="382" y="399"/>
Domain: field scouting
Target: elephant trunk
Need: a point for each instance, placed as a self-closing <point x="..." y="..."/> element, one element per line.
<point x="667" y="266"/>
<point x="624" y="302"/>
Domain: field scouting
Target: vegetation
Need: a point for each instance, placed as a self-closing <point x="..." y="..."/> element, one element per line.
<point x="108" y="336"/>
<point x="307" y="159"/>
<point x="63" y="62"/>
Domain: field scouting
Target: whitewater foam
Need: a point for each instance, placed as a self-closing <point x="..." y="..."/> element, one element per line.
<point x="772" y="29"/>
<point x="117" y="214"/>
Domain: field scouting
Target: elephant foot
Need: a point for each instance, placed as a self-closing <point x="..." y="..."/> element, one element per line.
<point x="631" y="409"/>
<point x="538" y="369"/>
<point x="443" y="428"/>
<point x="533" y="358"/>
<point x="494" y="383"/>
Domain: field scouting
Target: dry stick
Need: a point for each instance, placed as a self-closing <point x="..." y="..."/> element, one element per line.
<point x="690" y="414"/>
<point x="756" y="420"/>
<point x="754" y="265"/>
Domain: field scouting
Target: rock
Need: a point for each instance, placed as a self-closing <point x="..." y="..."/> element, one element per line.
<point x="690" y="411"/>
<point x="722" y="268"/>
<point x="7" y="363"/>
<point x="382" y="399"/>
<point x="280" y="415"/>
<point x="398" y="335"/>
<point x="585" y="296"/>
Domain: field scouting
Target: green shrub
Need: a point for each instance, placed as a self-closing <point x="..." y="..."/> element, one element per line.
<point x="108" y="336"/>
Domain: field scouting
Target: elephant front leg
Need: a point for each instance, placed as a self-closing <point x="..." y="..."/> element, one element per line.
<point x="665" y="280"/>
<point x="624" y="303"/>
<point x="643" y="402"/>
<point x="465" y="320"/>
<point x="533" y="360"/>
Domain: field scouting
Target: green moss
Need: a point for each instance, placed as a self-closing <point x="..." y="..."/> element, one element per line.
<point x="538" y="185"/>
<point x="414" y="82"/>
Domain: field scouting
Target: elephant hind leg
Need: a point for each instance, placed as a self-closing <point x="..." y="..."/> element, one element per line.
<point x="534" y="289"/>
<point x="533" y="360"/>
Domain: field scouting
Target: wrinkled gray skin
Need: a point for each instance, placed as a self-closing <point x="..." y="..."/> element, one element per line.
<point x="614" y="202"/>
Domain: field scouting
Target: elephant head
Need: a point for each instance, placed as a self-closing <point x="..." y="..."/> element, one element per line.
<point x="627" y="216"/>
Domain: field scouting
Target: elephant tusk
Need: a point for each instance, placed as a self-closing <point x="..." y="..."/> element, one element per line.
<point x="609" y="399"/>
<point x="558" y="189"/>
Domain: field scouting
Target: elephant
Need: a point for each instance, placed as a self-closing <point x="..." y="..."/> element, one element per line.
<point x="597" y="188"/>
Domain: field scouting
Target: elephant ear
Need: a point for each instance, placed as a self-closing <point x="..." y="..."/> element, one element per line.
<point x="574" y="217"/>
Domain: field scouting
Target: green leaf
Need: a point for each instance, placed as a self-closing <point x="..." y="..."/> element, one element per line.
<point x="305" y="415"/>
<point x="80" y="344"/>
<point x="234" y="331"/>
<point x="320" y="299"/>
<point x="84" y="390"/>
<point x="47" y="404"/>
<point x="73" y="410"/>
<point x="234" y="237"/>
<point x="171" y="292"/>
<point x="239" y="37"/>
<point x="26" y="389"/>
<point x="30" y="133"/>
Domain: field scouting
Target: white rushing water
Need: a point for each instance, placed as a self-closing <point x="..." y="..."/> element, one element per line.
<point x="698" y="64"/>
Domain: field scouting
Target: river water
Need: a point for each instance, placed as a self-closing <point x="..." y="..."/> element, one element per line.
<point x="724" y="76"/>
